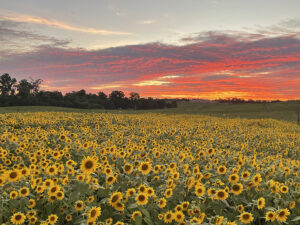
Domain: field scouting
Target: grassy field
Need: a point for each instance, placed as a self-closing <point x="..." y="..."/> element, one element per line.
<point x="281" y="110"/>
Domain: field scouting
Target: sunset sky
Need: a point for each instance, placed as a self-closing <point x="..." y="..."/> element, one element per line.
<point x="160" y="48"/>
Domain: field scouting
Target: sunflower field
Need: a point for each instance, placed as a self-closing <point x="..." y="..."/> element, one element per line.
<point x="102" y="168"/>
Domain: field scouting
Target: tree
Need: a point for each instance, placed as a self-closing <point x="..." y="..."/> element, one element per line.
<point x="117" y="97"/>
<point x="24" y="87"/>
<point x="35" y="85"/>
<point x="134" y="98"/>
<point x="102" y="96"/>
<point x="6" y="84"/>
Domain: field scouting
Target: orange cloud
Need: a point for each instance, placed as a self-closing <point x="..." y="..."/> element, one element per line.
<point x="58" y="24"/>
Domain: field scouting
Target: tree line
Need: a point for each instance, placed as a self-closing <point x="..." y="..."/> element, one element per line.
<point x="28" y="93"/>
<point x="240" y="100"/>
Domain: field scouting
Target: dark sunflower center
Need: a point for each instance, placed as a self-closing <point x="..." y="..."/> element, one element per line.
<point x="13" y="175"/>
<point x="141" y="198"/>
<point x="23" y="191"/>
<point x="199" y="190"/>
<point x="246" y="216"/>
<point x="18" y="217"/>
<point x="169" y="216"/>
<point x="221" y="194"/>
<point x="221" y="169"/>
<point x="79" y="205"/>
<point x="93" y="213"/>
<point x="144" y="167"/>
<point x="236" y="187"/>
<point x="115" y="198"/>
<point x="89" y="164"/>
<point x="281" y="214"/>
<point x="127" y="168"/>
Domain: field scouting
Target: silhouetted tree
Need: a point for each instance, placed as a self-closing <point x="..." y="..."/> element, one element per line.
<point x="134" y="97"/>
<point x="6" y="85"/>
<point x="117" y="97"/>
<point x="24" y="87"/>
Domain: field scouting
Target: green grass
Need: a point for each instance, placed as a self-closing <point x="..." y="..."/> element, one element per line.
<point x="281" y="110"/>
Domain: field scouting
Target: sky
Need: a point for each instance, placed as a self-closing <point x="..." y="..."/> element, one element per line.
<point x="205" y="49"/>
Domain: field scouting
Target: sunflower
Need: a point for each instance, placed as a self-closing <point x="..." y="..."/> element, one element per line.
<point x="115" y="198"/>
<point x="270" y="216"/>
<point x="292" y="204"/>
<point x="60" y="195"/>
<point x="284" y="189"/>
<point x="68" y="217"/>
<point x="110" y="180"/>
<point x="52" y="219"/>
<point x="221" y="195"/>
<point x="219" y="220"/>
<point x="233" y="178"/>
<point x="185" y="206"/>
<point x="89" y="165"/>
<point x="240" y="208"/>
<point x="145" y="167"/>
<point x="79" y="205"/>
<point x="32" y="220"/>
<point x="135" y="214"/>
<point x="18" y="218"/>
<point x="94" y="213"/>
<point x="31" y="203"/>
<point x="257" y="179"/>
<point x="237" y="189"/>
<point x="119" y="207"/>
<point x="119" y="223"/>
<point x="48" y="183"/>
<point x="168" y="193"/>
<point x="108" y="221"/>
<point x="282" y="215"/>
<point x="179" y="216"/>
<point x="261" y="203"/>
<point x="142" y="188"/>
<point x="246" y="217"/>
<point x="128" y="168"/>
<point x="13" y="175"/>
<point x="178" y="208"/>
<point x="231" y="223"/>
<point x="24" y="191"/>
<point x="13" y="195"/>
<point x="130" y="192"/>
<point x="2" y="180"/>
<point x="53" y="190"/>
<point x="168" y="217"/>
<point x="108" y="171"/>
<point x="211" y="191"/>
<point x="150" y="191"/>
<point x="142" y="199"/>
<point x="221" y="170"/>
<point x="51" y="170"/>
<point x="245" y="175"/>
<point x="199" y="190"/>
<point x="162" y="203"/>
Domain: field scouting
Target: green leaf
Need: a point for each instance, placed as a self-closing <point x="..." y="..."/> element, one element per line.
<point x="138" y="220"/>
<point x="132" y="206"/>
<point x="148" y="221"/>
<point x="146" y="213"/>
